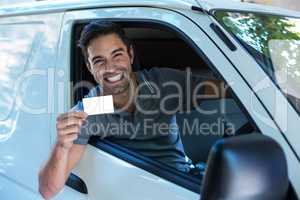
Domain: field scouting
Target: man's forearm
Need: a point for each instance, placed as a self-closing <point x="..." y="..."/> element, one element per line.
<point x="53" y="176"/>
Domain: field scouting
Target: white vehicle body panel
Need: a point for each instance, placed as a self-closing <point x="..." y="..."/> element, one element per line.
<point x="63" y="6"/>
<point x="25" y="132"/>
<point x="107" y="177"/>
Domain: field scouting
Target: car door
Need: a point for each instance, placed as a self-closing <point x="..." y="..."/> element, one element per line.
<point x="110" y="173"/>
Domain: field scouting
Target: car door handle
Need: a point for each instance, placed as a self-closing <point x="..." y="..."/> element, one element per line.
<point x="77" y="184"/>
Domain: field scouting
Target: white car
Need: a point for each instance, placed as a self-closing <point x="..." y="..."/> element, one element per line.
<point x="251" y="52"/>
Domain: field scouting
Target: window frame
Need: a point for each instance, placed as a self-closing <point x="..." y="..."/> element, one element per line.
<point x="155" y="167"/>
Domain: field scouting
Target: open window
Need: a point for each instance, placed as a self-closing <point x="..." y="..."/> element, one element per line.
<point x="219" y="115"/>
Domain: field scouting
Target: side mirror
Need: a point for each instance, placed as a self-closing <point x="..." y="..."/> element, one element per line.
<point x="247" y="167"/>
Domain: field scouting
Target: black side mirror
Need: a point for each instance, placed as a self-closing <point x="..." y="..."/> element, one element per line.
<point x="247" y="167"/>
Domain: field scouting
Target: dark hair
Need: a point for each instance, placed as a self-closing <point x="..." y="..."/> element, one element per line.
<point x="100" y="28"/>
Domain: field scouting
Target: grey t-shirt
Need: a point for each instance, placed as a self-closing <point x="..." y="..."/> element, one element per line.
<point x="152" y="129"/>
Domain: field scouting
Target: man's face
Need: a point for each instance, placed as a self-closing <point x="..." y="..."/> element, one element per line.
<point x="110" y="63"/>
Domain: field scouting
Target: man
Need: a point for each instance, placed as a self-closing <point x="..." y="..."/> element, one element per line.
<point x="144" y="100"/>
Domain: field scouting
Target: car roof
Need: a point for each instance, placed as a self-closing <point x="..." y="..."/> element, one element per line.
<point x="208" y="5"/>
<point x="211" y="5"/>
<point x="61" y="6"/>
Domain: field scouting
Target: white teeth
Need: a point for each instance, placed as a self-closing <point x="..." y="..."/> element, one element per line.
<point x="115" y="78"/>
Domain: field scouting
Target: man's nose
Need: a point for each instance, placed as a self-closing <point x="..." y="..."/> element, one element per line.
<point x="109" y="65"/>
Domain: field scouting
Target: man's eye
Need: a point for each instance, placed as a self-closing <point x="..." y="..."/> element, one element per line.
<point x="117" y="55"/>
<point x="99" y="62"/>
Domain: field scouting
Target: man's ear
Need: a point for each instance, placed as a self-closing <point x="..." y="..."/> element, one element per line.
<point x="88" y="66"/>
<point x="131" y="54"/>
<point x="87" y="62"/>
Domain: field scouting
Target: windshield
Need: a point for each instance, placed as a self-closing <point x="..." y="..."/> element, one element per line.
<point x="274" y="42"/>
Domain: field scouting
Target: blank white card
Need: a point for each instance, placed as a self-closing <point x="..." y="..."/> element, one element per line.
<point x="98" y="105"/>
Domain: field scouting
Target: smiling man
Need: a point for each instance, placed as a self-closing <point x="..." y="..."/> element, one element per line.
<point x="144" y="101"/>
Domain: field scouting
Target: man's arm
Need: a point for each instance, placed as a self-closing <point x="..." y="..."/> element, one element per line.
<point x="65" y="154"/>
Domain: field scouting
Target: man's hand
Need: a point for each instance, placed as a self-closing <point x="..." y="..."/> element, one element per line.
<point x="65" y="155"/>
<point x="68" y="127"/>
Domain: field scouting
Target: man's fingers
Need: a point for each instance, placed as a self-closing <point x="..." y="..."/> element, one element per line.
<point x="68" y="138"/>
<point x="81" y="115"/>
<point x="69" y="130"/>
<point x="72" y="114"/>
<point x="61" y="124"/>
<point x="68" y="127"/>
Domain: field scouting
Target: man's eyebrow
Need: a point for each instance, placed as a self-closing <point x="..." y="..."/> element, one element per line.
<point x="113" y="52"/>
<point x="96" y="57"/>
<point x="117" y="50"/>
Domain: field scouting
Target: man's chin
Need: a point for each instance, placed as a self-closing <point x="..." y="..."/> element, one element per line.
<point x="116" y="91"/>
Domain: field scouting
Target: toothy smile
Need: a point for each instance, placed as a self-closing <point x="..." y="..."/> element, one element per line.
<point x="115" y="78"/>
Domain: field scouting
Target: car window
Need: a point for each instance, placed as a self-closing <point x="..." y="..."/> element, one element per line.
<point x="216" y="115"/>
<point x="274" y="42"/>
